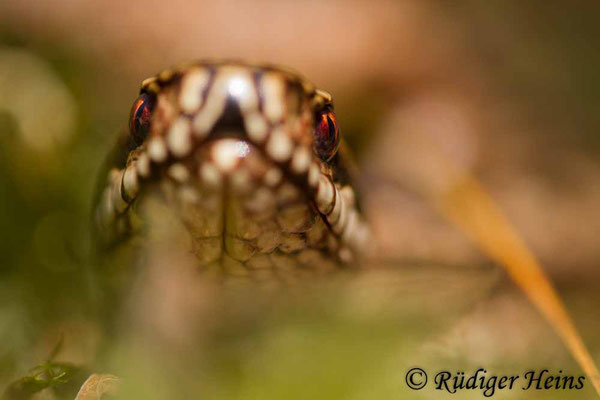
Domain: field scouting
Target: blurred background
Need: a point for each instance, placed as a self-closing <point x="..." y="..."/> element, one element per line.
<point x="509" y="91"/>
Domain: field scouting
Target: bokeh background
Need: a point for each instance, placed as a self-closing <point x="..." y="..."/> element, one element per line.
<point x="509" y="91"/>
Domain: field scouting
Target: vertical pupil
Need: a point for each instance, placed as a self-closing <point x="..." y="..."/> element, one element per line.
<point x="331" y="131"/>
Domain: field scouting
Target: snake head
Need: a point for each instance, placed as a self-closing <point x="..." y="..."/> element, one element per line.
<point x="247" y="158"/>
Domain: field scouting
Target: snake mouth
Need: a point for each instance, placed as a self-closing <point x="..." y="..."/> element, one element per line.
<point x="242" y="209"/>
<point x="245" y="212"/>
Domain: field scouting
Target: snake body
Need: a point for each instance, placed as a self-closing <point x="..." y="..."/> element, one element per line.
<point x="232" y="155"/>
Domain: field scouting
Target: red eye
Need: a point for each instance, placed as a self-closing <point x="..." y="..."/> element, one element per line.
<point x="327" y="135"/>
<point x="139" y="120"/>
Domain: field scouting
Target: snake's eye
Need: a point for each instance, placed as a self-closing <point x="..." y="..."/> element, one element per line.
<point x="139" y="120"/>
<point x="327" y="134"/>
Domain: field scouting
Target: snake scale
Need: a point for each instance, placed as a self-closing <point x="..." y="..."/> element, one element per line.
<point x="249" y="159"/>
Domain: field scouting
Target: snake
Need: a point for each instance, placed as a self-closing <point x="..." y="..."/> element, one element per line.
<point x="248" y="159"/>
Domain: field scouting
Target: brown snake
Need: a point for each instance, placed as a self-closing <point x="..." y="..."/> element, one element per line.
<point x="247" y="158"/>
